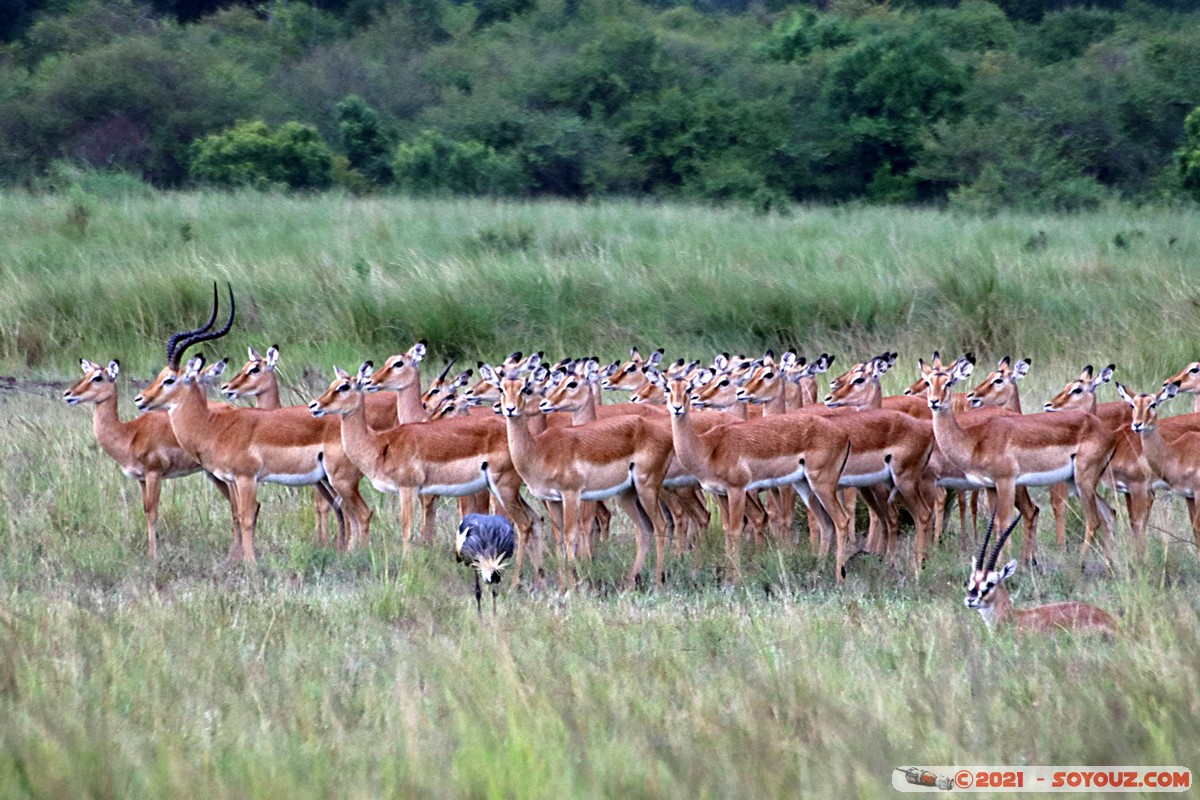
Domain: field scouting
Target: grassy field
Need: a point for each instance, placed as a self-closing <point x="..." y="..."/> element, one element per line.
<point x="318" y="675"/>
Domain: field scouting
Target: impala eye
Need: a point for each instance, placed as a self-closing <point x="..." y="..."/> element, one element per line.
<point x="572" y="384"/>
<point x="858" y="381"/>
<point x="168" y="381"/>
<point x="997" y="382"/>
<point x="724" y="382"/>
<point x="345" y="387"/>
<point x="1077" y="390"/>
<point x="1194" y="370"/>
<point x="252" y="371"/>
<point x="97" y="379"/>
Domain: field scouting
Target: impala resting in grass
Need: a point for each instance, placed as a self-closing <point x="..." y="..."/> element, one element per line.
<point x="988" y="594"/>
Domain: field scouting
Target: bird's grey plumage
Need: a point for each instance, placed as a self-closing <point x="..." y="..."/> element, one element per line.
<point x="485" y="542"/>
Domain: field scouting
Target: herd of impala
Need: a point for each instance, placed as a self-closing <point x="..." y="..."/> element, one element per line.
<point x="750" y="433"/>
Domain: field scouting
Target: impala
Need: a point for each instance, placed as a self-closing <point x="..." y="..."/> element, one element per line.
<point x="631" y="376"/>
<point x="1175" y="461"/>
<point x="247" y="446"/>
<point x="1188" y="379"/>
<point x="1131" y="473"/>
<point x="988" y="594"/>
<point x="449" y="458"/>
<point x="623" y="457"/>
<point x="1004" y="452"/>
<point x="144" y="448"/>
<point x="730" y="460"/>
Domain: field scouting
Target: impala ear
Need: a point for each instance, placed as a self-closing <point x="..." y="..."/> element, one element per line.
<point x="340" y="373"/>
<point x="1168" y="391"/>
<point x="1105" y="376"/>
<point x="655" y="358"/>
<point x="1003" y="364"/>
<point x="488" y="374"/>
<point x="114" y="369"/>
<point x="417" y="351"/>
<point x="961" y="371"/>
<point x="540" y="373"/>
<point x="530" y="364"/>
<point x="365" y="372"/>
<point x="1124" y="393"/>
<point x="87" y="366"/>
<point x="272" y="357"/>
<point x="252" y="354"/>
<point x="1008" y="570"/>
<point x="215" y="371"/>
<point x="721" y="362"/>
<point x="192" y="370"/>
<point x="611" y="369"/>
<point x="1022" y="369"/>
<point x="701" y="377"/>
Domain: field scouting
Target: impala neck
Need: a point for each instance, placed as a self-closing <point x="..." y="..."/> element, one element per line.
<point x="268" y="398"/>
<point x="110" y="431"/>
<point x="689" y="448"/>
<point x="408" y="403"/>
<point x="359" y="442"/>
<point x="1000" y="610"/>
<point x="778" y="404"/>
<point x="521" y="443"/>
<point x="585" y="413"/>
<point x="1157" y="453"/>
<point x="951" y="438"/>
<point x="190" y="417"/>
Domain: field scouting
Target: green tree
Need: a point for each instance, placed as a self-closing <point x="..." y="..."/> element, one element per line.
<point x="364" y="139"/>
<point x="432" y="163"/>
<point x="251" y="154"/>
<point x="1188" y="156"/>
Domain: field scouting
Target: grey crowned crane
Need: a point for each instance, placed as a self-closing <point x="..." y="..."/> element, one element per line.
<point x="485" y="542"/>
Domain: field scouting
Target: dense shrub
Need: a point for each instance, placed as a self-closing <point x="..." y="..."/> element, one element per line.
<point x="1188" y="156"/>
<point x="432" y="163"/>
<point x="251" y="154"/>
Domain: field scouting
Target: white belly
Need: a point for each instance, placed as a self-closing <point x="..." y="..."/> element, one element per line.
<point x="963" y="484"/>
<point x="775" y="483"/>
<point x="604" y="494"/>
<point x="1048" y="478"/>
<point x="864" y="479"/>
<point x="680" y="482"/>
<point x="294" y="479"/>
<point x="457" y="489"/>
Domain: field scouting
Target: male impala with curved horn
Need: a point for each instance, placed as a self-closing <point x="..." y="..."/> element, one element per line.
<point x="1004" y="452"/>
<point x="144" y="447"/>
<point x="987" y="594"/>
<point x="247" y="446"/>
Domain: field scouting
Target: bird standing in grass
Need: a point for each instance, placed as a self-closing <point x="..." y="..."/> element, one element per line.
<point x="485" y="542"/>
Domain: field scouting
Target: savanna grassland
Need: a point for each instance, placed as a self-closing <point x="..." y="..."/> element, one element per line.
<point x="316" y="674"/>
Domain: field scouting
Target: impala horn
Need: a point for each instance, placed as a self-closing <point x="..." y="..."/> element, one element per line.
<point x="991" y="565"/>
<point x="173" y="342"/>
<point x="190" y="338"/>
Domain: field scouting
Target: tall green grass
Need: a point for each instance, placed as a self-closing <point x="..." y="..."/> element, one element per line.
<point x="328" y="277"/>
<point x="323" y="675"/>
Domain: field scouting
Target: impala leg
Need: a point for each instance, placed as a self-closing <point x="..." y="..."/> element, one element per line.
<point x="1003" y="501"/>
<point x="1058" y="506"/>
<point x="939" y="513"/>
<point x="827" y="509"/>
<point x="1194" y="514"/>
<point x="247" y="503"/>
<point x="235" y="544"/>
<point x="428" y="517"/>
<point x="733" y="532"/>
<point x="960" y="497"/>
<point x="570" y="512"/>
<point x="326" y="492"/>
<point x="1138" y="502"/>
<point x="151" y="488"/>
<point x="408" y="512"/>
<point x="637" y="512"/>
<point x="321" y="508"/>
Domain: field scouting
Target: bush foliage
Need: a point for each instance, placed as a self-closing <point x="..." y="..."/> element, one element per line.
<point x="1040" y="104"/>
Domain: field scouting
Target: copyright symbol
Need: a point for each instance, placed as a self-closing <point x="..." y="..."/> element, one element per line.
<point x="963" y="779"/>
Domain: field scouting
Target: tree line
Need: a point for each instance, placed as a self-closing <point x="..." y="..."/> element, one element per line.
<point x="1039" y="104"/>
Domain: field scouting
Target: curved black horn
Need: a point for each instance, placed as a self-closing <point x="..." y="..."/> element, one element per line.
<point x="446" y="371"/>
<point x="979" y="559"/>
<point x="206" y="336"/>
<point x="991" y="565"/>
<point x="173" y="342"/>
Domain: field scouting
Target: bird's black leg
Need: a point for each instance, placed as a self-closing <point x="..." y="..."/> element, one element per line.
<point x="493" y="601"/>
<point x="478" y="595"/>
